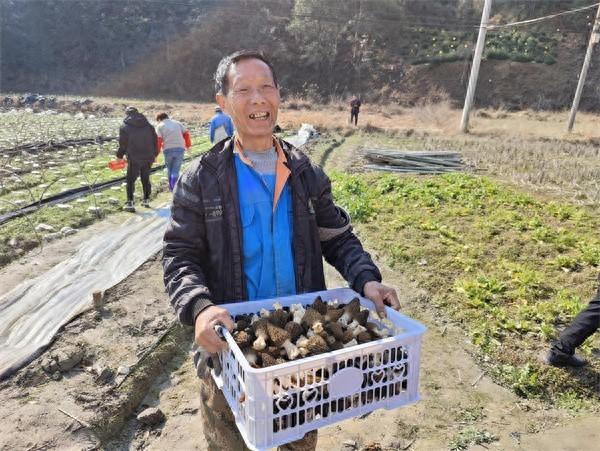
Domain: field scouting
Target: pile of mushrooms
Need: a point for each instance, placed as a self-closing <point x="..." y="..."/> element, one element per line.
<point x="288" y="333"/>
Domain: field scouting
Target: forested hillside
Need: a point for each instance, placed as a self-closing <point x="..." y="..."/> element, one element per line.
<point x="385" y="50"/>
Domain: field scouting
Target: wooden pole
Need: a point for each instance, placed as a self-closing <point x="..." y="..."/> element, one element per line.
<point x="594" y="38"/>
<point x="464" y="123"/>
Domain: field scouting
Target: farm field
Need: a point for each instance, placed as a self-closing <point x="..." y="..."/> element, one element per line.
<point x="493" y="260"/>
<point x="30" y="177"/>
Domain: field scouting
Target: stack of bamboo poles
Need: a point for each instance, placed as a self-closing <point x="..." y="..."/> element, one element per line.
<point x="414" y="162"/>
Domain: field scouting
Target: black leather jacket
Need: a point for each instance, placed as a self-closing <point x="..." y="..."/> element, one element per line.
<point x="202" y="254"/>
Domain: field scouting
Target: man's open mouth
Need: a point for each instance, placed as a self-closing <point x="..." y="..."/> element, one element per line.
<point x="262" y="116"/>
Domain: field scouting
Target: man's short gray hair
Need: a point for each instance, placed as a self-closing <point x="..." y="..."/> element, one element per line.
<point x="222" y="73"/>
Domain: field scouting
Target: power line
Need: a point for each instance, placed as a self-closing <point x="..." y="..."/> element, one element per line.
<point x="540" y="19"/>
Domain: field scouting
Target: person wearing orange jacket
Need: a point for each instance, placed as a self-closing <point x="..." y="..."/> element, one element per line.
<point x="174" y="138"/>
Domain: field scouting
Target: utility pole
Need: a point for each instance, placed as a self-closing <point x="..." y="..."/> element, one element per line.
<point x="485" y="16"/>
<point x="594" y="39"/>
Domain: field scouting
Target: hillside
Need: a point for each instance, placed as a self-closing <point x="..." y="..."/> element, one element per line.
<point x="404" y="51"/>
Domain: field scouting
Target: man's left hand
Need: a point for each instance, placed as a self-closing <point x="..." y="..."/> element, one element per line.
<point x="381" y="295"/>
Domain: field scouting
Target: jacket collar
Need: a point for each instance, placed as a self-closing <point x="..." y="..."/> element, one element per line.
<point x="220" y="156"/>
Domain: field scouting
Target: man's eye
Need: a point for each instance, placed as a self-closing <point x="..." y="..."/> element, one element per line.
<point x="242" y="90"/>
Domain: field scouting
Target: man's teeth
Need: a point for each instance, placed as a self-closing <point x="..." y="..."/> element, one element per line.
<point x="263" y="115"/>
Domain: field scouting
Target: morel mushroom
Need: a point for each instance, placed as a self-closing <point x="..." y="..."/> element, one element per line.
<point x="260" y="330"/>
<point x="374" y="329"/>
<point x="242" y="339"/>
<point x="356" y="328"/>
<point x="311" y="316"/>
<point x="336" y="330"/>
<point x="264" y="313"/>
<point x="316" y="345"/>
<point x="319" y="305"/>
<point x="281" y="337"/>
<point x="347" y="336"/>
<point x="333" y="314"/>
<point x="297" y="312"/>
<point x="350" y="310"/>
<point x="267" y="360"/>
<point x="294" y="329"/>
<point x="279" y="317"/>
<point x="362" y="317"/>
<point x="364" y="337"/>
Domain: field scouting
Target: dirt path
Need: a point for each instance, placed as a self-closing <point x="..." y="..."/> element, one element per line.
<point x="457" y="404"/>
<point x="456" y="398"/>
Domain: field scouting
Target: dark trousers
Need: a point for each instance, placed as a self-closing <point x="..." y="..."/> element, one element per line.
<point x="139" y="169"/>
<point x="354" y="116"/>
<point x="585" y="324"/>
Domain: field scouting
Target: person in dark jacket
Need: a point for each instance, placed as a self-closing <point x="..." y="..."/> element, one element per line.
<point x="254" y="203"/>
<point x="585" y="324"/>
<point x="355" y="104"/>
<point x="138" y="142"/>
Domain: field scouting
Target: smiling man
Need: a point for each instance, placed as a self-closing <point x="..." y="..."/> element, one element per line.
<point x="253" y="219"/>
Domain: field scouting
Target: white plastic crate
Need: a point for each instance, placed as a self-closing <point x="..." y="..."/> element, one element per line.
<point x="281" y="403"/>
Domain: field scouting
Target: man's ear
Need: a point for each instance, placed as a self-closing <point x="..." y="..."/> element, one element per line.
<point x="220" y="99"/>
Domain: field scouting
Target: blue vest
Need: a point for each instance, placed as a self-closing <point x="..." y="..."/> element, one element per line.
<point x="266" y="234"/>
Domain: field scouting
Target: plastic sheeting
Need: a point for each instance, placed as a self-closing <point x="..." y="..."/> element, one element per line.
<point x="33" y="312"/>
<point x="305" y="134"/>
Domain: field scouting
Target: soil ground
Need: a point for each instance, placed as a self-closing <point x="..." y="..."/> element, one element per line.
<point x="135" y="330"/>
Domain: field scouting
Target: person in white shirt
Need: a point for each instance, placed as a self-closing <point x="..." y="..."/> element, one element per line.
<point x="174" y="139"/>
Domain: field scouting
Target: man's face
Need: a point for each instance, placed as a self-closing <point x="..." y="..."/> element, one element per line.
<point x="252" y="100"/>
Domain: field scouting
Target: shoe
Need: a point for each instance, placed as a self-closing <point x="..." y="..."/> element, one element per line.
<point x="146" y="203"/>
<point x="561" y="359"/>
<point x="129" y="207"/>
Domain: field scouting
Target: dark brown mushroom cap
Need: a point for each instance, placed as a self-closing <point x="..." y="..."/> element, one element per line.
<point x="364" y="337"/>
<point x="362" y="317"/>
<point x="267" y="360"/>
<point x="347" y="336"/>
<point x="242" y="324"/>
<point x="333" y="314"/>
<point x="371" y="326"/>
<point x="319" y="305"/>
<point x="260" y="327"/>
<point x="273" y="351"/>
<point x="310" y="317"/>
<point x="294" y="329"/>
<point x="279" y="318"/>
<point x="337" y="345"/>
<point x="243" y="339"/>
<point x="317" y="345"/>
<point x="277" y="335"/>
<point x="353" y="307"/>
<point x="335" y="329"/>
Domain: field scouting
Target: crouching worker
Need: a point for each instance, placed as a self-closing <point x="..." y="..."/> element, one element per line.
<point x="253" y="219"/>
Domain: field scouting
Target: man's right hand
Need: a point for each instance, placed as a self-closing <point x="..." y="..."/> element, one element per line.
<point x="204" y="328"/>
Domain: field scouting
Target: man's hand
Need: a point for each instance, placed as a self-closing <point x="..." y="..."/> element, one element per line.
<point x="381" y="295"/>
<point x="204" y="328"/>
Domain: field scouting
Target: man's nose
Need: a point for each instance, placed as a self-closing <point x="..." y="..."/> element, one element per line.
<point x="257" y="96"/>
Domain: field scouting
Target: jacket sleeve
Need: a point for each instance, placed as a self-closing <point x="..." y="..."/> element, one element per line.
<point x="122" y="143"/>
<point x="184" y="249"/>
<point x="341" y="248"/>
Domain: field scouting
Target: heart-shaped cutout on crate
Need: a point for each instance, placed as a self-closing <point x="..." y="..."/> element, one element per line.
<point x="310" y="394"/>
<point x="284" y="402"/>
<point x="400" y="370"/>
<point x="377" y="376"/>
